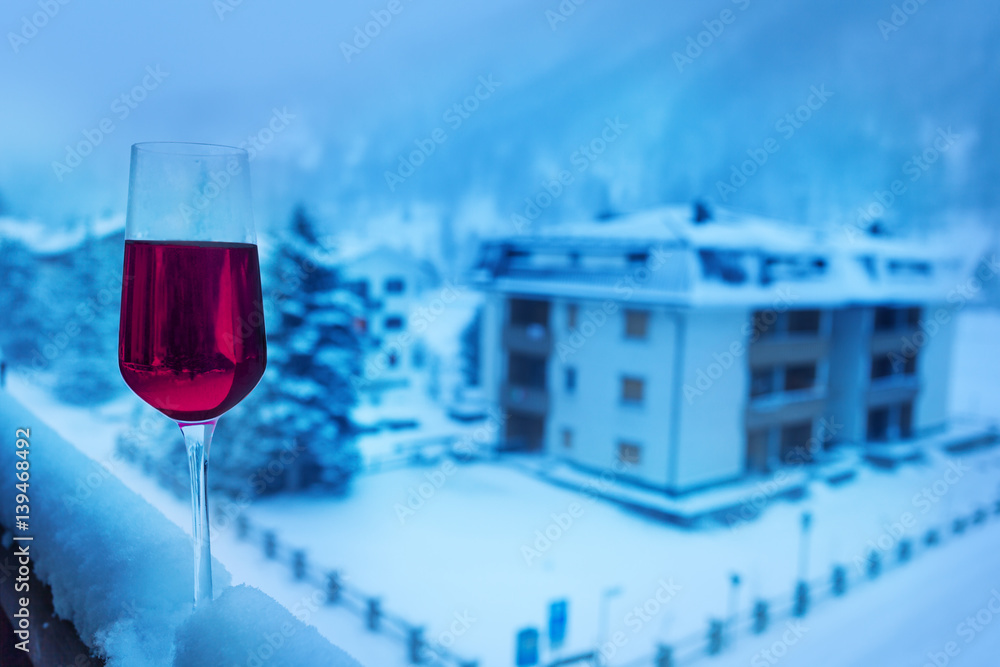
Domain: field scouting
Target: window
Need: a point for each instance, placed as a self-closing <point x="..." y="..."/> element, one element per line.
<point x="571" y="380"/>
<point x="633" y="390"/>
<point x="762" y="382"/>
<point x="567" y="438"/>
<point x="629" y="452"/>
<point x="393" y="323"/>
<point x="889" y="319"/>
<point x="572" y="314"/>
<point x="803" y="321"/>
<point x="795" y="442"/>
<point x="395" y="285"/>
<point x="636" y="324"/>
<point x="723" y="265"/>
<point x="878" y="424"/>
<point x="637" y="257"/>
<point x="524" y="312"/>
<point x="890" y="422"/>
<point x="757" y="451"/>
<point x="524" y="370"/>
<point x="802" y="376"/>
<point x="887" y="365"/>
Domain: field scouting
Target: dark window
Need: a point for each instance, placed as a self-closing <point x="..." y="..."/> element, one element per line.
<point x="881" y="366"/>
<point x="878" y="424"/>
<point x="757" y="451"/>
<point x="567" y="438"/>
<point x="762" y="382"/>
<point x="633" y="390"/>
<point x="910" y="365"/>
<point x="637" y="257"/>
<point x="393" y="323"/>
<point x="906" y="420"/>
<point x="524" y="312"/>
<point x="570" y="380"/>
<point x="765" y="323"/>
<point x="572" y="313"/>
<point x="913" y="316"/>
<point x="394" y="285"/>
<point x="636" y="324"/>
<point x="800" y="377"/>
<point x="723" y="265"/>
<point x="526" y="371"/>
<point x="795" y="445"/>
<point x="803" y="321"/>
<point x="629" y="452"/>
<point x="885" y="319"/>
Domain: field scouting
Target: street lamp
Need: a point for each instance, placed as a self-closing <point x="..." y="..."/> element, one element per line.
<point x="604" y="612"/>
<point x="734" y="604"/>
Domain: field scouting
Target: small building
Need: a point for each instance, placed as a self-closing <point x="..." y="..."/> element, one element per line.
<point x="701" y="349"/>
<point x="391" y="284"/>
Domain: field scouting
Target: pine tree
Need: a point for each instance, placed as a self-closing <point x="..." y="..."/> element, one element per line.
<point x="295" y="430"/>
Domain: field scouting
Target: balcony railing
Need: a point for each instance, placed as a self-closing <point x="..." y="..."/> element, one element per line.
<point x="529" y="400"/>
<point x="530" y="339"/>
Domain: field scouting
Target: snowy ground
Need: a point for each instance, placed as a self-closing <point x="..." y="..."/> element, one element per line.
<point x="462" y="550"/>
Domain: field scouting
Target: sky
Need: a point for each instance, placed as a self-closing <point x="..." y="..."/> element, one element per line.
<point x="699" y="88"/>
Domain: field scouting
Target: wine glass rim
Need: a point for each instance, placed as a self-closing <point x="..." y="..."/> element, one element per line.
<point x="189" y="148"/>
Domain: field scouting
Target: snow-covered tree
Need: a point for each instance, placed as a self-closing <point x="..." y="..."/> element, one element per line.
<point x="295" y="430"/>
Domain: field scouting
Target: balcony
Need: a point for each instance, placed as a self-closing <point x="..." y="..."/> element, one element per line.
<point x="528" y="400"/>
<point x="788" y="349"/>
<point x="527" y="338"/>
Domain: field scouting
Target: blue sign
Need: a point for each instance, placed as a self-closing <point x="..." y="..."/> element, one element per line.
<point x="527" y="648"/>
<point x="557" y="623"/>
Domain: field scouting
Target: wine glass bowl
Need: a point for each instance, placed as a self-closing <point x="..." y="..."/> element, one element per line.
<point x="191" y="337"/>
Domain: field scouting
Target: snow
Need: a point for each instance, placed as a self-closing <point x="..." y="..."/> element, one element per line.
<point x="42" y="239"/>
<point x="120" y="570"/>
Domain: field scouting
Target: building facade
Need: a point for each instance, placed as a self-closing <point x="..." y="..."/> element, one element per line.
<point x="703" y="352"/>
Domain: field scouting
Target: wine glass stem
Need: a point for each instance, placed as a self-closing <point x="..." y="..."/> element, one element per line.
<point x="198" y="439"/>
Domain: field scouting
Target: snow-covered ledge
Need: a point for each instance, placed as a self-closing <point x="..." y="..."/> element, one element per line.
<point x="121" y="572"/>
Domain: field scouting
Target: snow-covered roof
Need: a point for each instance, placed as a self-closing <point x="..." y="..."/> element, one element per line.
<point x="663" y="256"/>
<point x="43" y="239"/>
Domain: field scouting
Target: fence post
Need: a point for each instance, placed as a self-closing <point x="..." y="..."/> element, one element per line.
<point x="905" y="551"/>
<point x="415" y="645"/>
<point x="958" y="526"/>
<point x="299" y="564"/>
<point x="374" y="613"/>
<point x="714" y="637"/>
<point x="760" y="617"/>
<point x="979" y="516"/>
<point x="270" y="545"/>
<point x="874" y="564"/>
<point x="333" y="587"/>
<point x="801" y="607"/>
<point x="839" y="580"/>
<point x="664" y="656"/>
<point x="932" y="537"/>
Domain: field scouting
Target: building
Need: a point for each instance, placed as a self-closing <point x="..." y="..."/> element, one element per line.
<point x="700" y="352"/>
<point x="391" y="284"/>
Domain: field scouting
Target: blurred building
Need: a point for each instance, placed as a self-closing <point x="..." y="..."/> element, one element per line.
<point x="391" y="284"/>
<point x="703" y="348"/>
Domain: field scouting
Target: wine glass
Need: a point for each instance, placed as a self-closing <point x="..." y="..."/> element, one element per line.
<point x="191" y="339"/>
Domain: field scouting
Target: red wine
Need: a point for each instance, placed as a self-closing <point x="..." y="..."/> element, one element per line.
<point x="191" y="340"/>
